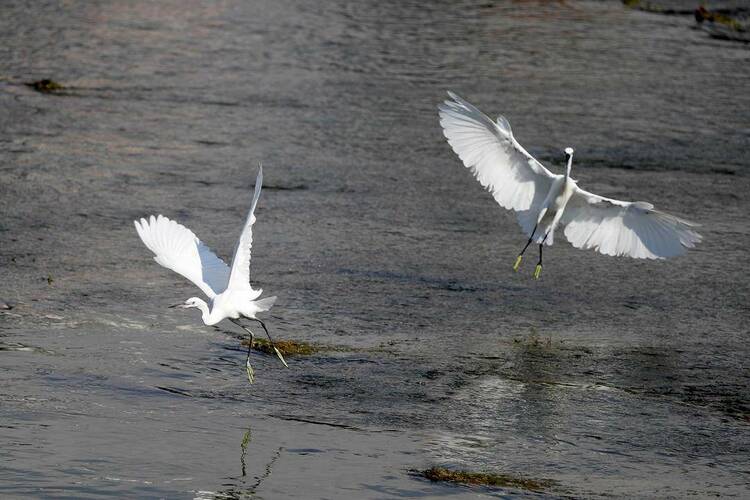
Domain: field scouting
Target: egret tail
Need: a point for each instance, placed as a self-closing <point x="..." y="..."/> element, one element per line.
<point x="265" y="304"/>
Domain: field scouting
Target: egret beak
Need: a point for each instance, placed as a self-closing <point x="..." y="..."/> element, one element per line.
<point x="181" y="305"/>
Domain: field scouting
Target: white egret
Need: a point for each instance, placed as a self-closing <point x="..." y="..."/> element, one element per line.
<point x="544" y="200"/>
<point x="177" y="248"/>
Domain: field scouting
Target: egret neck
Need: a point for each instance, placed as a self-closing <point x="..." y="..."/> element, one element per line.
<point x="569" y="154"/>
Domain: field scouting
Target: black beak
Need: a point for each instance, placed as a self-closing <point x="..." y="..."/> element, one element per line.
<point x="175" y="305"/>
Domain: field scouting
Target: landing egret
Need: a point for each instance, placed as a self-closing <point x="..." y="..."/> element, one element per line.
<point x="544" y="200"/>
<point x="177" y="248"/>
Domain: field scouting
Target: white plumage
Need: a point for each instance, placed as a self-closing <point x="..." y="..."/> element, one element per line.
<point x="179" y="249"/>
<point x="544" y="200"/>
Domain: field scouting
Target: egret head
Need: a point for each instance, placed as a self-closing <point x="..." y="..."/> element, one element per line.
<point x="568" y="153"/>
<point x="191" y="302"/>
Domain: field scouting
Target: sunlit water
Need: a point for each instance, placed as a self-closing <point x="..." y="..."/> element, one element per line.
<point x="608" y="376"/>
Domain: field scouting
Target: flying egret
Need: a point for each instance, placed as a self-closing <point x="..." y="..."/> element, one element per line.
<point x="544" y="200"/>
<point x="177" y="248"/>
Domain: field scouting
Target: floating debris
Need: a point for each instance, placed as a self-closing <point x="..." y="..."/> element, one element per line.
<point x="46" y="86"/>
<point x="441" y="474"/>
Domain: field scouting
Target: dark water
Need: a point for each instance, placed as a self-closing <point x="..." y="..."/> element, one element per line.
<point x="608" y="376"/>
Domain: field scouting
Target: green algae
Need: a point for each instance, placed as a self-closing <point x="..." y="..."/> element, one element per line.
<point x="286" y="347"/>
<point x="441" y="474"/>
<point x="46" y="86"/>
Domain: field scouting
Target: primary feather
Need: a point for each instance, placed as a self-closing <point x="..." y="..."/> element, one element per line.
<point x="634" y="229"/>
<point x="179" y="249"/>
<point x="516" y="179"/>
<point x="239" y="278"/>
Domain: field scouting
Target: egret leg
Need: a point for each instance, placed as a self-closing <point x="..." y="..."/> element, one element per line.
<point x="538" y="270"/>
<point x="278" y="353"/>
<point x="520" y="255"/>
<point x="248" y="367"/>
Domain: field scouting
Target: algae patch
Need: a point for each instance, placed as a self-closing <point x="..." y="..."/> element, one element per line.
<point x="46" y="86"/>
<point x="441" y="474"/>
<point x="286" y="347"/>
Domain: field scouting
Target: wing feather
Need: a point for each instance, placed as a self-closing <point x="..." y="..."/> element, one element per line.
<point x="516" y="180"/>
<point x="177" y="248"/>
<point x="239" y="278"/>
<point x="634" y="229"/>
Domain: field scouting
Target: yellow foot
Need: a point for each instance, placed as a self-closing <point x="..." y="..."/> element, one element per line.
<point x="250" y="372"/>
<point x="537" y="271"/>
<point x="278" y="353"/>
<point x="518" y="262"/>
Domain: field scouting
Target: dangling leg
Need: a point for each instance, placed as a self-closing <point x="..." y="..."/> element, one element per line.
<point x="538" y="270"/>
<point x="520" y="255"/>
<point x="278" y="353"/>
<point x="248" y="367"/>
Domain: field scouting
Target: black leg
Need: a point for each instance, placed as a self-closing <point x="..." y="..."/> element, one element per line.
<point x="538" y="270"/>
<point x="520" y="255"/>
<point x="248" y="367"/>
<point x="278" y="353"/>
<point x="252" y="335"/>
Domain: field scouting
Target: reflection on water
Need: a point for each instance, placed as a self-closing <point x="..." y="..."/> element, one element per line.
<point x="377" y="242"/>
<point x="243" y="446"/>
<point x="243" y="489"/>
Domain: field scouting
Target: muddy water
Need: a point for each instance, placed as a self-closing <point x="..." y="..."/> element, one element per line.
<point x="608" y="376"/>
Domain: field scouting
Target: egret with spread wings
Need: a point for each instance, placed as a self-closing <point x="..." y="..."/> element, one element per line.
<point x="177" y="248"/>
<point x="543" y="200"/>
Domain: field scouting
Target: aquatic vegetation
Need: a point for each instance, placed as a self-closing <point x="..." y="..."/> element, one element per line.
<point x="286" y="347"/>
<point x="534" y="340"/>
<point x="723" y="24"/>
<point x="702" y="14"/>
<point x="246" y="438"/>
<point x="655" y="8"/>
<point x="441" y="474"/>
<point x="46" y="85"/>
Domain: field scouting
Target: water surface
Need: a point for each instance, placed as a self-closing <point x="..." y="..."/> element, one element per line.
<point x="608" y="376"/>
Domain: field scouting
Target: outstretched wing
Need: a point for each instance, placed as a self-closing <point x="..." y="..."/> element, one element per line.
<point x="634" y="229"/>
<point x="516" y="180"/>
<point x="239" y="279"/>
<point x="177" y="248"/>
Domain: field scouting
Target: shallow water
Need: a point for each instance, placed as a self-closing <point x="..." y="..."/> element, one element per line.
<point x="608" y="376"/>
